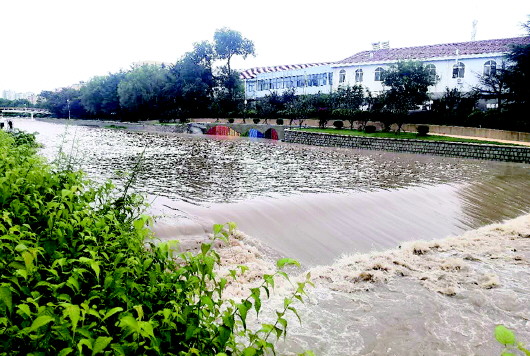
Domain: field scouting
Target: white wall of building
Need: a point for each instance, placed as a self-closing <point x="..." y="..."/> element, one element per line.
<point x="474" y="67"/>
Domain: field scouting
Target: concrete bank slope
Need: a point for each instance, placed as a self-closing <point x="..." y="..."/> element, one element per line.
<point x="506" y="153"/>
<point x="175" y="128"/>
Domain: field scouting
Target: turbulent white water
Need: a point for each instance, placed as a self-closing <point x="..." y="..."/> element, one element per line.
<point x="368" y="226"/>
<point x="438" y="297"/>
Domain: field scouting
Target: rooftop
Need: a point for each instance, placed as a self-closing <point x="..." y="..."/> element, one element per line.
<point x="253" y="72"/>
<point x="437" y="51"/>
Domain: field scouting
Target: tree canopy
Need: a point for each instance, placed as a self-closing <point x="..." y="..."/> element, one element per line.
<point x="408" y="83"/>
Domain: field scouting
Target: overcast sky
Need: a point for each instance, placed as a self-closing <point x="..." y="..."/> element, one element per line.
<point x="46" y="44"/>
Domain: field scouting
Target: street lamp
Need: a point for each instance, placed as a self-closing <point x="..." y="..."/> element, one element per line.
<point x="245" y="111"/>
<point x="68" y="103"/>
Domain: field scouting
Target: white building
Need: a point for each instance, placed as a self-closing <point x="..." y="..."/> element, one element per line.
<point x="309" y="78"/>
<point x="457" y="65"/>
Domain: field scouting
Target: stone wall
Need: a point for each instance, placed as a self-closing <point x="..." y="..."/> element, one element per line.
<point x="452" y="149"/>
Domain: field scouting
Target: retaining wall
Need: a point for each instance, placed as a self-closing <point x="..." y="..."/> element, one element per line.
<point x="452" y="149"/>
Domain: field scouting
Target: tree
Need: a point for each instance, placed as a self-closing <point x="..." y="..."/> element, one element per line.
<point x="350" y="98"/>
<point x="229" y="43"/>
<point x="408" y="83"/>
<point x="517" y="75"/>
<point x="100" y="95"/>
<point x="141" y="91"/>
<point x="192" y="82"/>
<point x="493" y="85"/>
<point x="63" y="103"/>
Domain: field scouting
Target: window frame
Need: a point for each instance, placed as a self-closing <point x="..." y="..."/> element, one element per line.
<point x="459" y="70"/>
<point x="378" y="74"/>
<point x="342" y="76"/>
<point x="490" y="68"/>
<point x="359" y="75"/>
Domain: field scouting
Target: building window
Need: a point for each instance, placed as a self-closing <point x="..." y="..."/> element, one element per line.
<point x="324" y="78"/>
<point x="379" y="74"/>
<point x="431" y="71"/>
<point x="251" y="85"/>
<point x="330" y="77"/>
<point x="358" y="76"/>
<point x="459" y="70"/>
<point x="342" y="76"/>
<point x="490" y="68"/>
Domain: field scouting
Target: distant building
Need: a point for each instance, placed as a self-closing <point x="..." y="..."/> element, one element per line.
<point x="12" y="95"/>
<point x="457" y="65"/>
<point x="309" y="78"/>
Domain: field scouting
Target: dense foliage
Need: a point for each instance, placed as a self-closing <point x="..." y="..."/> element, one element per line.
<point x="191" y="87"/>
<point x="79" y="273"/>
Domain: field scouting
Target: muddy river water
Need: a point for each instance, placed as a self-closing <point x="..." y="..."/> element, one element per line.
<point x="368" y="225"/>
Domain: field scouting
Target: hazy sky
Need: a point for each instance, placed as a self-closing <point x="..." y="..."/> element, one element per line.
<point x="47" y="44"/>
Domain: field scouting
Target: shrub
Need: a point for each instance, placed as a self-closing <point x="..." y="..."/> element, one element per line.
<point x="256" y="120"/>
<point x="279" y="121"/>
<point x="423" y="130"/>
<point x="338" y="124"/>
<point x="231" y="120"/>
<point x="80" y="274"/>
<point x="369" y="129"/>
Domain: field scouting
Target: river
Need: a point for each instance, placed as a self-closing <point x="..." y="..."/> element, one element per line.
<point x="354" y="219"/>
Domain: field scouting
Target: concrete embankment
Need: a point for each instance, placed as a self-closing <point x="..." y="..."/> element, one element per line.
<point x="453" y="149"/>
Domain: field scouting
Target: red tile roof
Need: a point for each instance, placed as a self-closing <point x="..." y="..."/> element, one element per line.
<point x="436" y="51"/>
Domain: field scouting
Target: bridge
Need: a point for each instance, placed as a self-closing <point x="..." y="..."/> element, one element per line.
<point x="23" y="110"/>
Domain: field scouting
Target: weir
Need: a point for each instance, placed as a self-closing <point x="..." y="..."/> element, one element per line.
<point x="353" y="218"/>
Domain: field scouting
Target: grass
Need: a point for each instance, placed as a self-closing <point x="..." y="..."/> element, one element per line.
<point x="402" y="135"/>
<point x="115" y="127"/>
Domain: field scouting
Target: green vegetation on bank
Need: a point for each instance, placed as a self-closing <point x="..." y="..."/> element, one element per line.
<point x="401" y="135"/>
<point x="80" y="274"/>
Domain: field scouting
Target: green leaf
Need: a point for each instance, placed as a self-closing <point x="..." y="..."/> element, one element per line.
<point x="249" y="351"/>
<point x="65" y="351"/>
<point x="73" y="313"/>
<point x="6" y="298"/>
<point x="286" y="262"/>
<point x="112" y="312"/>
<point x="24" y="308"/>
<point x="243" y="309"/>
<point x="504" y="336"/>
<point x="100" y="344"/>
<point x="205" y="248"/>
<point x="41" y="321"/>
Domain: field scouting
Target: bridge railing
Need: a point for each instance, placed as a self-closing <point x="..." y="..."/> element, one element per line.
<point x="23" y="109"/>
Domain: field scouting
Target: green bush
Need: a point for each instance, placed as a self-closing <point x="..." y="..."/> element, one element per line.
<point x="256" y="120"/>
<point x="369" y="129"/>
<point x="231" y="120"/>
<point x="338" y="124"/>
<point x="423" y="130"/>
<point x="279" y="121"/>
<point x="80" y="274"/>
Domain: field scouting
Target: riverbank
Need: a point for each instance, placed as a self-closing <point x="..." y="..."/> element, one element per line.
<point x="520" y="154"/>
